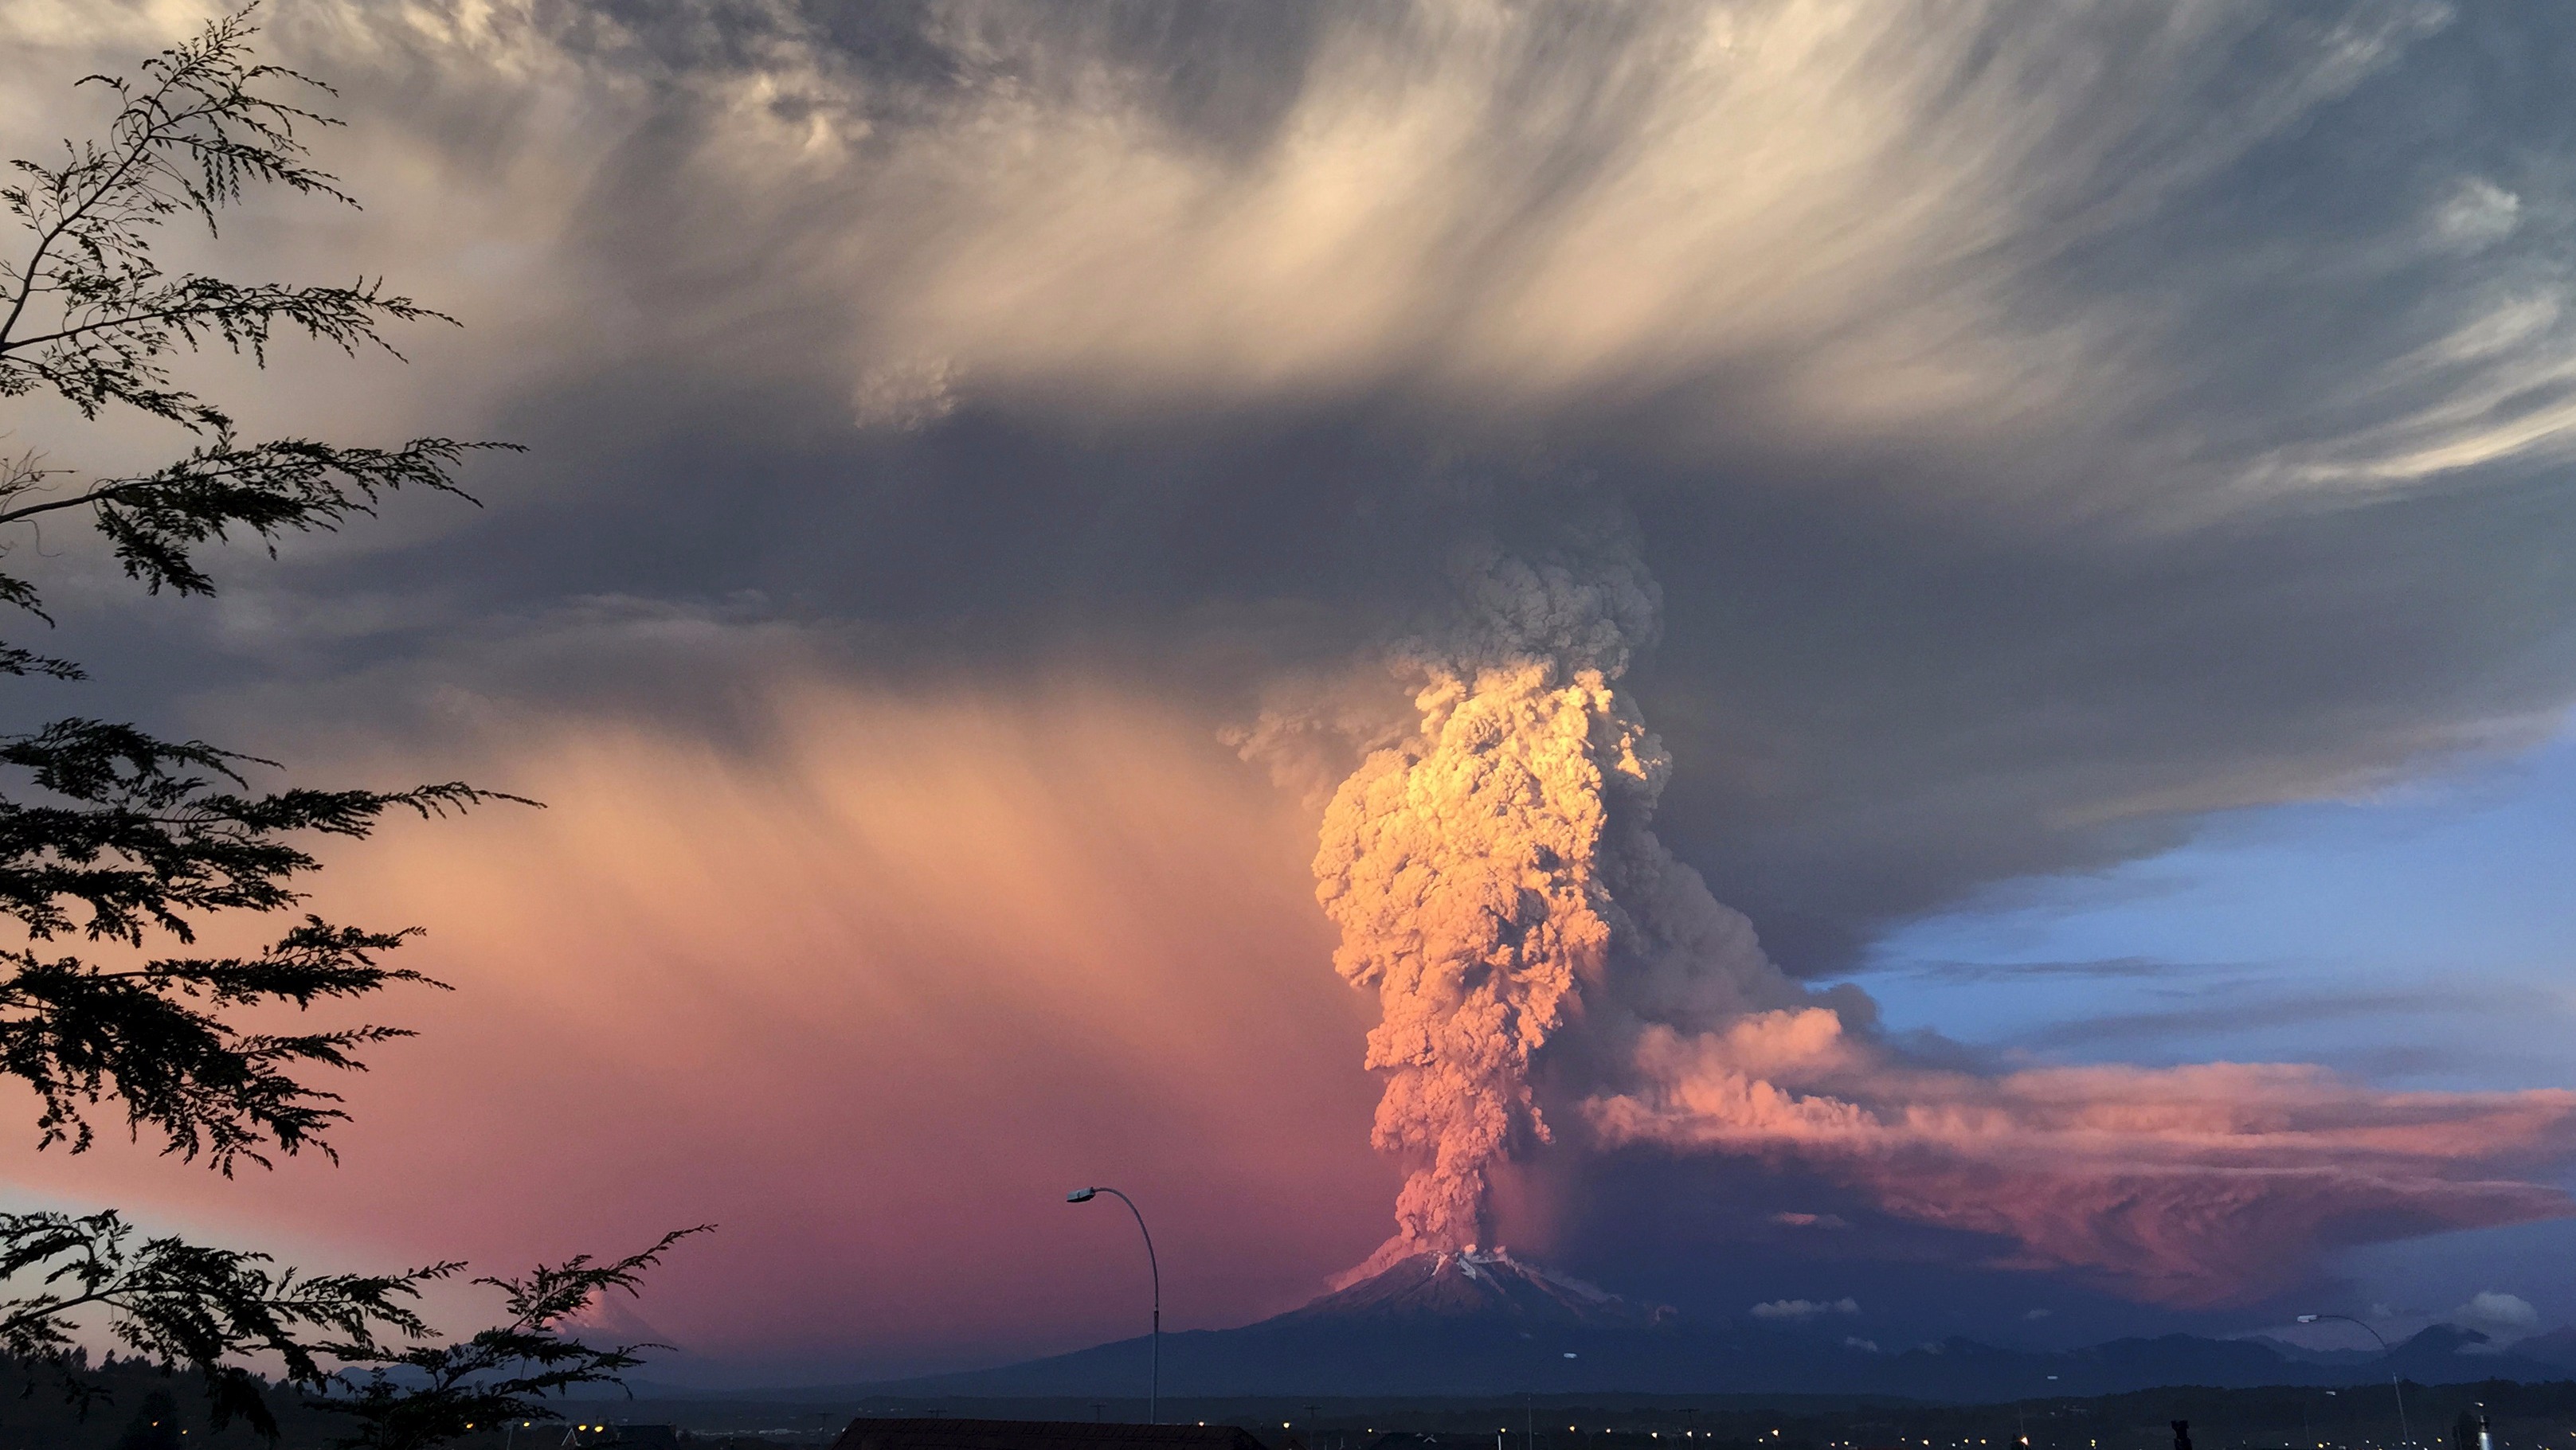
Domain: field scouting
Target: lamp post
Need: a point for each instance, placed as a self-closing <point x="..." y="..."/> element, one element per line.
<point x="1154" y="1386"/>
<point x="2404" y="1435"/>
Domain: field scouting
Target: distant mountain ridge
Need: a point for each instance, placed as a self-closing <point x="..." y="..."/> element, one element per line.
<point x="1485" y="1323"/>
<point x="2556" y="1348"/>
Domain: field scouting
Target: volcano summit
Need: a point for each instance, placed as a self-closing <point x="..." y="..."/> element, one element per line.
<point x="1448" y="1322"/>
<point x="1484" y="1287"/>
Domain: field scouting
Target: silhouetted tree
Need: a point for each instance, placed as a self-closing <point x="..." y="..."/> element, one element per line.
<point x="112" y="836"/>
<point x="435" y="1393"/>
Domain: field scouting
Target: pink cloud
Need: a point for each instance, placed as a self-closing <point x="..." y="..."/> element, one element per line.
<point x="870" y="986"/>
<point x="2189" y="1185"/>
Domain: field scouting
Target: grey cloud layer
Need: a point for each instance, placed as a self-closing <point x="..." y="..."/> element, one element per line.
<point x="2045" y="425"/>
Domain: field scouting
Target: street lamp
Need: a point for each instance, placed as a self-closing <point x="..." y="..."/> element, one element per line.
<point x="2404" y="1435"/>
<point x="1154" y="1390"/>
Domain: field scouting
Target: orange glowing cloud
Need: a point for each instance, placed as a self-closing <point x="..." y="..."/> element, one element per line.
<point x="2191" y="1185"/>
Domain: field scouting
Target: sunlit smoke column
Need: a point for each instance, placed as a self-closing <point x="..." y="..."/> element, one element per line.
<point x="1464" y="866"/>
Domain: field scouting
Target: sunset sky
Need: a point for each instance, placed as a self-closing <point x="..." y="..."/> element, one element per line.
<point x="1996" y="582"/>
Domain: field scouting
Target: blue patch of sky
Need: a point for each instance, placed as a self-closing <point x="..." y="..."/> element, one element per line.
<point x="2422" y="937"/>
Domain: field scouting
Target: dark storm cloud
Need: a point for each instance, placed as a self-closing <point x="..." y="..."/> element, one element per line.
<point x="1897" y="719"/>
<point x="2047" y="428"/>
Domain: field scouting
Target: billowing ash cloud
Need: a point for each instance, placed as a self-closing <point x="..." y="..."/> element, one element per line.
<point x="1498" y="883"/>
<point x="1483" y="870"/>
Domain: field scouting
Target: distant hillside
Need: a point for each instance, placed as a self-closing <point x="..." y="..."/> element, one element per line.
<point x="1487" y="1324"/>
<point x="2557" y="1349"/>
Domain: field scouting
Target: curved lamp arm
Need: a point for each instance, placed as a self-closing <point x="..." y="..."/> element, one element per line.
<point x="2404" y="1434"/>
<point x="1154" y="1390"/>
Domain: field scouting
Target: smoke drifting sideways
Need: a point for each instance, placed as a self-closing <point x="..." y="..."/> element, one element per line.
<point x="2191" y="1186"/>
<point x="1498" y="883"/>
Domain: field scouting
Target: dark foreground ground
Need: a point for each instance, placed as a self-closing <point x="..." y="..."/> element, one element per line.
<point x="2523" y="1416"/>
<point x="153" y="1412"/>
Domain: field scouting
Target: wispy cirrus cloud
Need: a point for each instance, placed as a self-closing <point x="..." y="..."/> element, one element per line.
<point x="2255" y="1010"/>
<point x="1795" y="1310"/>
<point x="2097" y="969"/>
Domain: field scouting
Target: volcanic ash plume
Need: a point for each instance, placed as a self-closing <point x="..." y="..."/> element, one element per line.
<point x="1477" y="868"/>
<point x="1496" y="881"/>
